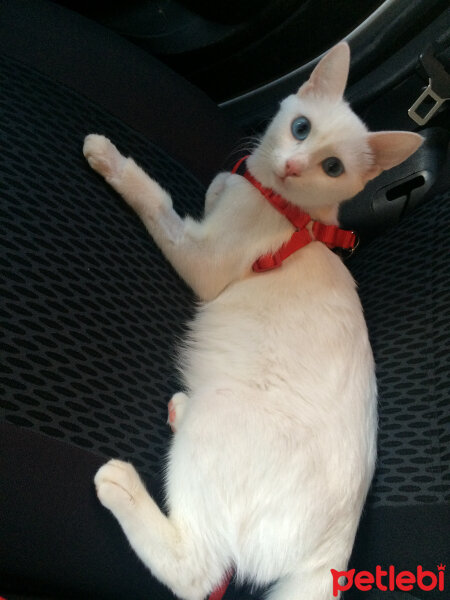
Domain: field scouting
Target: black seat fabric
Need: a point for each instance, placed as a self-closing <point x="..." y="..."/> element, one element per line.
<point x="120" y="78"/>
<point x="91" y="317"/>
<point x="92" y="310"/>
<point x="404" y="284"/>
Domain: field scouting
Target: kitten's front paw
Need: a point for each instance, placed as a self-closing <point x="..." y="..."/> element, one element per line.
<point x="103" y="156"/>
<point x="118" y="485"/>
<point x="176" y="409"/>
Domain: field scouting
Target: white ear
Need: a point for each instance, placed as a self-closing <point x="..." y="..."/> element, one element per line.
<point x="390" y="148"/>
<point x="329" y="77"/>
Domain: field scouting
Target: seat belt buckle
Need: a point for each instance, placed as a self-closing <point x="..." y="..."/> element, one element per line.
<point x="435" y="94"/>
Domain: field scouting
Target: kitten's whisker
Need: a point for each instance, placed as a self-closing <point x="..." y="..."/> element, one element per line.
<point x="246" y="146"/>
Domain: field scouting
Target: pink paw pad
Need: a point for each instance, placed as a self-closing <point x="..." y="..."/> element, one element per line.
<point x="172" y="415"/>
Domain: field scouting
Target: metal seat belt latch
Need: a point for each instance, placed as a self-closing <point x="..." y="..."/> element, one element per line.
<point x="436" y="93"/>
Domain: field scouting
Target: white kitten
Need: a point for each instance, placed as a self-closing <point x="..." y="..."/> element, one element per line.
<point x="275" y="440"/>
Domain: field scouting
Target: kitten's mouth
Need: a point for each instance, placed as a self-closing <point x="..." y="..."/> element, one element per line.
<point x="284" y="175"/>
<point x="280" y="176"/>
<point x="283" y="179"/>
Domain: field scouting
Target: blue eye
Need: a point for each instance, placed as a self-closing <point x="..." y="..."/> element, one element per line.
<point x="300" y="128"/>
<point x="333" y="166"/>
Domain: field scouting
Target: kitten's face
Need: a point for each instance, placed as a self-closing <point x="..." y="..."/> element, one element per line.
<point x="317" y="152"/>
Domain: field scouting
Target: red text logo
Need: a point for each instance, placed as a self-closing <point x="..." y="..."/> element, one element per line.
<point x="389" y="579"/>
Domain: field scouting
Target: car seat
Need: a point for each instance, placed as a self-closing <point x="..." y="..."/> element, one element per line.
<point x="91" y="316"/>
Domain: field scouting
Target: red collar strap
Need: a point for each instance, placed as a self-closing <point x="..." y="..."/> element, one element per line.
<point x="330" y="235"/>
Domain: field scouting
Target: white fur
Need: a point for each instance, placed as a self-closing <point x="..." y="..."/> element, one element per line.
<point x="276" y="438"/>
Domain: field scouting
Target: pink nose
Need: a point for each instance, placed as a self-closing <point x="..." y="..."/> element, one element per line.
<point x="292" y="169"/>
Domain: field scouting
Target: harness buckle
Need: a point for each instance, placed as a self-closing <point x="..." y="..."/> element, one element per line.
<point x="347" y="253"/>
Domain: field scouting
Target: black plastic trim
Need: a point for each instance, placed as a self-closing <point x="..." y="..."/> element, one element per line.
<point x="371" y="42"/>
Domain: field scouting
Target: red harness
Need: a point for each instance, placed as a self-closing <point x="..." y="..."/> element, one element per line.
<point x="330" y="235"/>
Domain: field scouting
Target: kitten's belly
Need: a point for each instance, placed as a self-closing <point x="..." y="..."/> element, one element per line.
<point x="299" y="328"/>
<point x="286" y="354"/>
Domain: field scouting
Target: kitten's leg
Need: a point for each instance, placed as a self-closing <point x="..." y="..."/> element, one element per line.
<point x="176" y="408"/>
<point x="214" y="191"/>
<point x="184" y="242"/>
<point x="182" y="561"/>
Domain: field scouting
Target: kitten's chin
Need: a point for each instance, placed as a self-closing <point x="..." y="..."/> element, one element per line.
<point x="280" y="180"/>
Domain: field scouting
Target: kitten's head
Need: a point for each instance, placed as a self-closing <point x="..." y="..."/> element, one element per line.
<point x="317" y="152"/>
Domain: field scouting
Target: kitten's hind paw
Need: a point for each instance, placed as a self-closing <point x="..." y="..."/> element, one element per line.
<point x="118" y="485"/>
<point x="103" y="156"/>
<point x="176" y="409"/>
